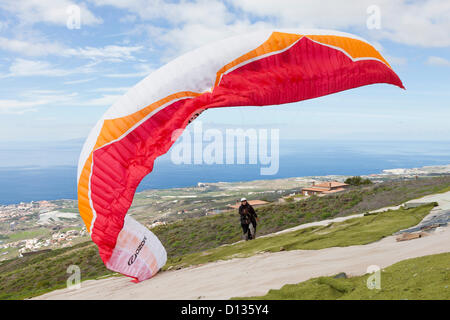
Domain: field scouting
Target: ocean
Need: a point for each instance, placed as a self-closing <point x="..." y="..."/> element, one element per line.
<point x="47" y="171"/>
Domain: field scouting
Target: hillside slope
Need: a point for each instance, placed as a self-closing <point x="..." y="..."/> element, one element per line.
<point x="34" y="275"/>
<point x="257" y="274"/>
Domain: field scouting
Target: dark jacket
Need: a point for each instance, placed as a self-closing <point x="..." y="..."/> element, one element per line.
<point x="247" y="214"/>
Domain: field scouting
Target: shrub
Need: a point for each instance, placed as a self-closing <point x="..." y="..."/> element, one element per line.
<point x="357" y="181"/>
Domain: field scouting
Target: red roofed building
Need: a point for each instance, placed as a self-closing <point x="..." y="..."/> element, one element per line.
<point x="324" y="188"/>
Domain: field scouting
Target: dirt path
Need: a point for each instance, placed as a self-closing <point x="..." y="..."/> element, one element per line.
<point x="257" y="274"/>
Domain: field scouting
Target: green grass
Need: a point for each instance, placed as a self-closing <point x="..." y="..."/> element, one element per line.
<point x="423" y="278"/>
<point x="355" y="231"/>
<point x="444" y="190"/>
<point x="28" y="234"/>
<point x="11" y="253"/>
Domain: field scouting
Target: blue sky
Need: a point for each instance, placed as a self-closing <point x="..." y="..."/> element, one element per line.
<point x="56" y="82"/>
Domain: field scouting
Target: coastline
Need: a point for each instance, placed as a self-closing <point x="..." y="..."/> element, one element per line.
<point x="385" y="174"/>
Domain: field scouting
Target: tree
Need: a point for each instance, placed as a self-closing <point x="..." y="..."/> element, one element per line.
<point x="357" y="181"/>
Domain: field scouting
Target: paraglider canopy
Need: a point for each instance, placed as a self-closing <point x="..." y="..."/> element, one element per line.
<point x="258" y="69"/>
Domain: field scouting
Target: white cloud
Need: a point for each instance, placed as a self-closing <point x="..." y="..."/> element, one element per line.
<point x="129" y="18"/>
<point x="28" y="68"/>
<point x="22" y="67"/>
<point x="105" y="100"/>
<point x="437" y="61"/>
<point x="49" y="11"/>
<point x="421" y="23"/>
<point x="30" y="48"/>
<point x="39" y="47"/>
<point x="13" y="106"/>
<point x="142" y="70"/>
<point x="78" y="81"/>
<point x="399" y="61"/>
<point x="138" y="74"/>
<point x="4" y="25"/>
<point x="194" y="35"/>
<point x="111" y="53"/>
<point x="33" y="99"/>
<point x="189" y="24"/>
<point x="307" y="13"/>
<point x="111" y="89"/>
<point x="416" y="23"/>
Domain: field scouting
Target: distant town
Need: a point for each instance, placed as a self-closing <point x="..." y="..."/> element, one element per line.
<point x="24" y="220"/>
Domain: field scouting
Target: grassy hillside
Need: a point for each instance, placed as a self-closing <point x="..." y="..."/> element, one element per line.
<point x="356" y="231"/>
<point x="423" y="278"/>
<point x="199" y="234"/>
<point x="33" y="275"/>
